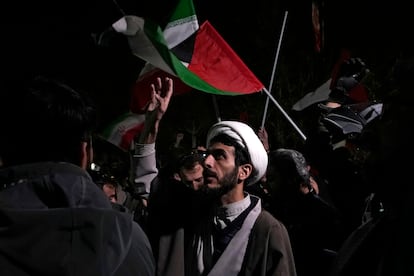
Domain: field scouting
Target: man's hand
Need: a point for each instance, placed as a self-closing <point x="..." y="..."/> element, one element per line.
<point x="161" y="92"/>
<point x="160" y="98"/>
<point x="262" y="134"/>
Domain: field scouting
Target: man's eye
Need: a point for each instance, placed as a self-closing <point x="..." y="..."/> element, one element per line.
<point x="219" y="156"/>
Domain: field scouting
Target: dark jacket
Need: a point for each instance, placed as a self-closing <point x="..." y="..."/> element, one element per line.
<point x="268" y="251"/>
<point x="314" y="228"/>
<point x="55" y="221"/>
<point x="380" y="247"/>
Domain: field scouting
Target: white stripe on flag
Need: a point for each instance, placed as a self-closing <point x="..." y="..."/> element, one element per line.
<point x="133" y="27"/>
<point x="120" y="128"/>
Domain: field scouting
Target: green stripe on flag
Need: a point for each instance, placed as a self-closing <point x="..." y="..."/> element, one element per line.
<point x="222" y="72"/>
<point x="184" y="9"/>
<point x="154" y="33"/>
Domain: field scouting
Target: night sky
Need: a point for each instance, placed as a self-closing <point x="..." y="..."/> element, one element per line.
<point x="57" y="38"/>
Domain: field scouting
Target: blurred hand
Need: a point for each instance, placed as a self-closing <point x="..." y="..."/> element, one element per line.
<point x="262" y="134"/>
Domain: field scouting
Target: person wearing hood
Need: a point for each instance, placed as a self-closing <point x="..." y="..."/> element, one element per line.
<point x="54" y="219"/>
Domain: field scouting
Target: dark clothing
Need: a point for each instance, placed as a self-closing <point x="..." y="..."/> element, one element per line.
<point x="175" y="213"/>
<point x="381" y="247"/>
<point x="268" y="238"/>
<point x="347" y="184"/>
<point x="172" y="207"/>
<point x="56" y="221"/>
<point x="315" y="230"/>
<point x="268" y="250"/>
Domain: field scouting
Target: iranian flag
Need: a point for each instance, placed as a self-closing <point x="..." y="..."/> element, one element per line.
<point x="196" y="55"/>
<point x="122" y="130"/>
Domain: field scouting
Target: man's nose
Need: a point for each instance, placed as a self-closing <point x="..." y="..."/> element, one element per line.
<point x="208" y="161"/>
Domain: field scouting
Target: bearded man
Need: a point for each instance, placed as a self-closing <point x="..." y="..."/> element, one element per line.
<point x="236" y="236"/>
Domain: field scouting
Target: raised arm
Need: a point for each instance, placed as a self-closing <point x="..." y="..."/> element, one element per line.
<point x="144" y="158"/>
<point x="161" y="92"/>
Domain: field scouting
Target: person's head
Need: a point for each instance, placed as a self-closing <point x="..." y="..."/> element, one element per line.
<point x="110" y="169"/>
<point x="45" y="120"/>
<point x="235" y="157"/>
<point x="108" y="185"/>
<point x="189" y="170"/>
<point x="105" y="179"/>
<point x="109" y="190"/>
<point x="288" y="173"/>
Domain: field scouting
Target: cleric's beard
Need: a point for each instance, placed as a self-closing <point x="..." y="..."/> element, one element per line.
<point x="226" y="184"/>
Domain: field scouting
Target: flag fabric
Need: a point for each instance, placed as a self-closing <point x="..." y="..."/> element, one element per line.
<point x="198" y="56"/>
<point x="357" y="93"/>
<point x="320" y="94"/>
<point x="122" y="130"/>
<point x="183" y="24"/>
<point x="216" y="63"/>
<point x="344" y="55"/>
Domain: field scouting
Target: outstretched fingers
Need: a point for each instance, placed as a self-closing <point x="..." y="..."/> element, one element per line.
<point x="161" y="93"/>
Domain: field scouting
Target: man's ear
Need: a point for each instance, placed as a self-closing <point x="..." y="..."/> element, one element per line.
<point x="245" y="171"/>
<point x="177" y="177"/>
<point x="86" y="155"/>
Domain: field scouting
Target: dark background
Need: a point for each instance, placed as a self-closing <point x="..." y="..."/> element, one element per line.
<point x="58" y="38"/>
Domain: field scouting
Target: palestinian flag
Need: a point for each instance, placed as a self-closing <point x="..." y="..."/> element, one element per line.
<point x="198" y="56"/>
<point x="122" y="130"/>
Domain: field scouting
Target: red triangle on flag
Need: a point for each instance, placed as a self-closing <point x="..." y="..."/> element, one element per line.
<point x="215" y="62"/>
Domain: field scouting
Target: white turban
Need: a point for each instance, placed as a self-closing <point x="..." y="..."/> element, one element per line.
<point x="247" y="138"/>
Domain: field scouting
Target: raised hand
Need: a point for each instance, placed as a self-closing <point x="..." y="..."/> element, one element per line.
<point x="262" y="134"/>
<point x="161" y="92"/>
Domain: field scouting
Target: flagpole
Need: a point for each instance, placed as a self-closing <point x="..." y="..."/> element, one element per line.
<point x="216" y="110"/>
<point x="285" y="114"/>
<point x="274" y="67"/>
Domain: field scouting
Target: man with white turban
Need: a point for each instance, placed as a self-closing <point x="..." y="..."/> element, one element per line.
<point x="237" y="237"/>
<point x="221" y="229"/>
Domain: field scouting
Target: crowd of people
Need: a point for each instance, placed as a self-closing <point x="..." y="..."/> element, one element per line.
<point x="234" y="206"/>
